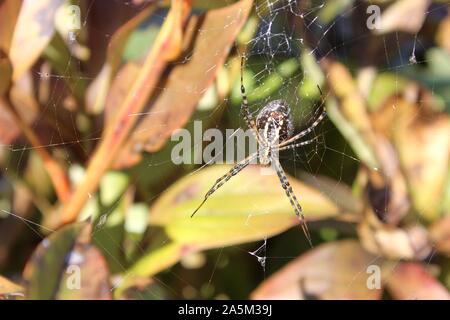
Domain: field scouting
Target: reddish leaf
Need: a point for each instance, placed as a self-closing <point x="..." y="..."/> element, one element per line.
<point x="412" y="281"/>
<point x="165" y="47"/>
<point x="188" y="80"/>
<point x="97" y="91"/>
<point x="331" y="271"/>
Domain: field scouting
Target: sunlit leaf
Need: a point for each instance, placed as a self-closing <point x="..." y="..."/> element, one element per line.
<point x="34" y="30"/>
<point x="9" y="289"/>
<point x="151" y="264"/>
<point x="426" y="171"/>
<point x="313" y="76"/>
<point x="404" y="15"/>
<point x="189" y="80"/>
<point x="251" y="206"/>
<point x="334" y="8"/>
<point x="384" y="86"/>
<point x="347" y="129"/>
<point x="349" y="113"/>
<point x="166" y="47"/>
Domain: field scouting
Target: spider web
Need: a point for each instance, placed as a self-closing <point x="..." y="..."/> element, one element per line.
<point x="287" y="30"/>
<point x="280" y="38"/>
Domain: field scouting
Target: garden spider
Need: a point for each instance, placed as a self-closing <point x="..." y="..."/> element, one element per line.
<point x="273" y="129"/>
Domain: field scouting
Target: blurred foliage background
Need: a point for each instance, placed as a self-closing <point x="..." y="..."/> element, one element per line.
<point x="92" y="205"/>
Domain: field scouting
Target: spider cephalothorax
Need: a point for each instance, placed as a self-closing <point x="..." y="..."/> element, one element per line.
<point x="273" y="130"/>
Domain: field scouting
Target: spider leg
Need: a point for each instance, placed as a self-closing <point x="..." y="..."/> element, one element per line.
<point x="221" y="181"/>
<point x="313" y="125"/>
<point x="292" y="198"/>
<point x="299" y="144"/>
<point x="245" y="107"/>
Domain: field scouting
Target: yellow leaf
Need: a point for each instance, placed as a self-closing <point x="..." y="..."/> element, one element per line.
<point x="249" y="207"/>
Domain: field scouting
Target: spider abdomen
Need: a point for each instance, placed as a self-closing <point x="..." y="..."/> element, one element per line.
<point x="274" y="121"/>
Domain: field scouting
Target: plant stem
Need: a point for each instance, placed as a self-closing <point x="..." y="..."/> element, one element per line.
<point x="166" y="47"/>
<point x="57" y="175"/>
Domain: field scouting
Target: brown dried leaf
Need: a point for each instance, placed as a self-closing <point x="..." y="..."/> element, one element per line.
<point x="422" y="140"/>
<point x="349" y="113"/>
<point x="440" y="234"/>
<point x="22" y="95"/>
<point x="188" y="80"/>
<point x="33" y="31"/>
<point x="119" y="127"/>
<point x="98" y="89"/>
<point x="410" y="242"/>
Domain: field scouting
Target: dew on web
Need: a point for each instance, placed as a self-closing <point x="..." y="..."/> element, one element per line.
<point x="267" y="50"/>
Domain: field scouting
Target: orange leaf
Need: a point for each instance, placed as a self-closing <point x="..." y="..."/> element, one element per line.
<point x="188" y="80"/>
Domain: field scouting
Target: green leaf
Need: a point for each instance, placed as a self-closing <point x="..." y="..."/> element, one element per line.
<point x="384" y="86"/>
<point x="251" y="206"/>
<point x="348" y="130"/>
<point x="151" y="264"/>
<point x="140" y="42"/>
<point x="312" y="76"/>
<point x="333" y="8"/>
<point x="66" y="265"/>
<point x="48" y="261"/>
<point x="112" y="186"/>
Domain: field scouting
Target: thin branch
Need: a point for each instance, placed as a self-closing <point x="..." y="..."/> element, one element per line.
<point x="116" y="131"/>
<point x="57" y="175"/>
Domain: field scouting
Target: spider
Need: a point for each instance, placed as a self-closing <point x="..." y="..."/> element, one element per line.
<point x="273" y="129"/>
